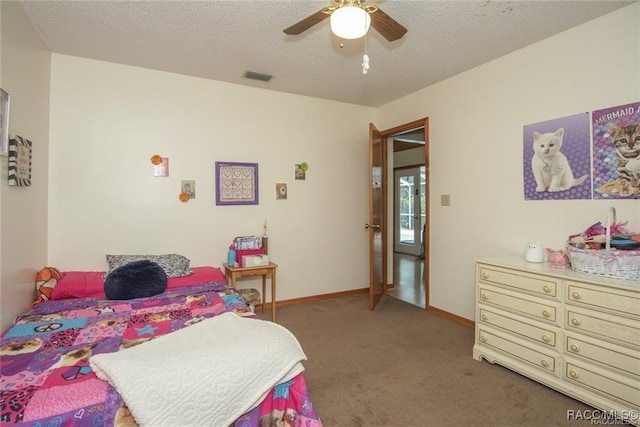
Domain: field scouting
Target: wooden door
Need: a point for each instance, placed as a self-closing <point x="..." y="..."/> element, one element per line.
<point x="377" y="222"/>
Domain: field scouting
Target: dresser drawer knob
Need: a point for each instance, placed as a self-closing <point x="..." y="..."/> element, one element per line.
<point x="485" y="275"/>
<point x="484" y="297"/>
<point x="546" y="288"/>
<point x="576" y="295"/>
<point x="573" y="374"/>
<point x="575" y="322"/>
<point x="545" y="338"/>
<point x="483" y="338"/>
<point x="484" y="317"/>
<point x="574" y="348"/>
<point x="544" y="363"/>
<point x="546" y="313"/>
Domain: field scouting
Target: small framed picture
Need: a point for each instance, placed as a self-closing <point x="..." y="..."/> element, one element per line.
<point x="19" y="161"/>
<point x="281" y="191"/>
<point x="188" y="186"/>
<point x="4" y="122"/>
<point x="161" y="169"/>
<point x="300" y="171"/>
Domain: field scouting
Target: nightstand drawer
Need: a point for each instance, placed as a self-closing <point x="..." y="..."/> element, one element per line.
<point x="607" y="354"/>
<point x="606" y="326"/>
<point x="541" y="335"/>
<point x="541" y="311"/>
<point x="627" y="303"/>
<point x="540" y="360"/>
<point x="604" y="383"/>
<point x="547" y="287"/>
<point x="256" y="272"/>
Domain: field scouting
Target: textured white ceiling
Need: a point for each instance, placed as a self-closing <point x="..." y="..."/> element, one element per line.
<point x="220" y="40"/>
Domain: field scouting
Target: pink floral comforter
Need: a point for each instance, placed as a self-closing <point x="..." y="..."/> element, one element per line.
<point x="46" y="379"/>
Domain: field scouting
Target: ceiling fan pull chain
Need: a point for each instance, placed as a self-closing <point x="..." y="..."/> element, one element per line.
<point x="365" y="58"/>
<point x="365" y="64"/>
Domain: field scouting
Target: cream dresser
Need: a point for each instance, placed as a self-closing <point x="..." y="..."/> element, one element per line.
<point x="576" y="333"/>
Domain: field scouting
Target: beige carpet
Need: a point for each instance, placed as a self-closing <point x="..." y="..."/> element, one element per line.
<point x="403" y="366"/>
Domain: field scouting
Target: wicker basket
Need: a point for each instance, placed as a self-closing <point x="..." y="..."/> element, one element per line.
<point x="607" y="262"/>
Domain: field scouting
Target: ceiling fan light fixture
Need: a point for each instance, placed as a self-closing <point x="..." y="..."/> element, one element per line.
<point x="350" y="22"/>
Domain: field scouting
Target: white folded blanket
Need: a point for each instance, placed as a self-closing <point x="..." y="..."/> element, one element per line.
<point x="207" y="374"/>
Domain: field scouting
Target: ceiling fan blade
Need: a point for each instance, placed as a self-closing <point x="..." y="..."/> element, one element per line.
<point x="307" y="22"/>
<point x="388" y="27"/>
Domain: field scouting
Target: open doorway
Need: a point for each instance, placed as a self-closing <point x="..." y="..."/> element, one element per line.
<point x="410" y="216"/>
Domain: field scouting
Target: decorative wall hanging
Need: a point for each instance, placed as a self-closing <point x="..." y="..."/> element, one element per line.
<point x="19" y="161"/>
<point x="161" y="166"/>
<point x="189" y="187"/>
<point x="616" y="152"/>
<point x="557" y="159"/>
<point x="4" y="122"/>
<point x="301" y="170"/>
<point x="281" y="191"/>
<point x="236" y="183"/>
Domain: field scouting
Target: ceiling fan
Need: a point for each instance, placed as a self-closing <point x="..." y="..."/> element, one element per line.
<point x="389" y="28"/>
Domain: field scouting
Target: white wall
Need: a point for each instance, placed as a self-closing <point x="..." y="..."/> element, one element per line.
<point x="23" y="217"/>
<point x="476" y="121"/>
<point x="107" y="120"/>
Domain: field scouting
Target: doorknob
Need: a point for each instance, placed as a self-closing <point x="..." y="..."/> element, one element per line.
<point x="374" y="226"/>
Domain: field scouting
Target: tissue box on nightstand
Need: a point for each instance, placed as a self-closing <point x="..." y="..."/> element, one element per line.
<point x="255" y="260"/>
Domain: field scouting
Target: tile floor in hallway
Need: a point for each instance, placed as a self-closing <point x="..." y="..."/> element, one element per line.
<point x="408" y="279"/>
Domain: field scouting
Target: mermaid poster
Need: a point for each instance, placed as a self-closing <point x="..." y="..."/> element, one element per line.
<point x="616" y="152"/>
<point x="557" y="159"/>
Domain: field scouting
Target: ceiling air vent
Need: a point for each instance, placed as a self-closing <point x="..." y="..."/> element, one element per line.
<point x="256" y="76"/>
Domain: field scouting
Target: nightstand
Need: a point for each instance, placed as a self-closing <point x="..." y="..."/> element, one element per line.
<point x="234" y="273"/>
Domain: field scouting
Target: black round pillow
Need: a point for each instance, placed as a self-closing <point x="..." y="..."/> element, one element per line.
<point x="137" y="279"/>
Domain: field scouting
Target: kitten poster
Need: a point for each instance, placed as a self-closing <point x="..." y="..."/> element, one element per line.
<point x="557" y="159"/>
<point x="616" y="152"/>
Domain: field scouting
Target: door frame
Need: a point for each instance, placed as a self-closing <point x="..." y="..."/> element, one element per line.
<point x="416" y="124"/>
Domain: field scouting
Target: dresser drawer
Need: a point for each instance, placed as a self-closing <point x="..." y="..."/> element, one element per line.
<point x="604" y="383"/>
<point x="538" y="359"/>
<point x="541" y="285"/>
<point x="611" y="355"/>
<point x="617" y="300"/>
<point x="525" y="329"/>
<point x="538" y="310"/>
<point x="625" y="331"/>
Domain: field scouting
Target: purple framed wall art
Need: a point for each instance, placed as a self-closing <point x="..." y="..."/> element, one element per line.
<point x="236" y="183"/>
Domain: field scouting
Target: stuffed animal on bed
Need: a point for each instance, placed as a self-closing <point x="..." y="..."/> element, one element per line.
<point x="46" y="280"/>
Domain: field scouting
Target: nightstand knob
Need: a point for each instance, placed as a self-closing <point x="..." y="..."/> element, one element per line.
<point x="484" y="297"/>
<point x="545" y="338"/>
<point x="485" y="275"/>
<point x="544" y="363"/>
<point x="546" y="313"/>
<point x="576" y="295"/>
<point x="574" y="348"/>
<point x="546" y="288"/>
<point x="483" y="338"/>
<point x="573" y="374"/>
<point x="484" y="317"/>
<point x="575" y="322"/>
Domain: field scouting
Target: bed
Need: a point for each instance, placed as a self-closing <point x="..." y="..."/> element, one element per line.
<point x="192" y="355"/>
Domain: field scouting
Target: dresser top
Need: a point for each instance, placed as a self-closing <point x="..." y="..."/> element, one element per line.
<point x="519" y="263"/>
